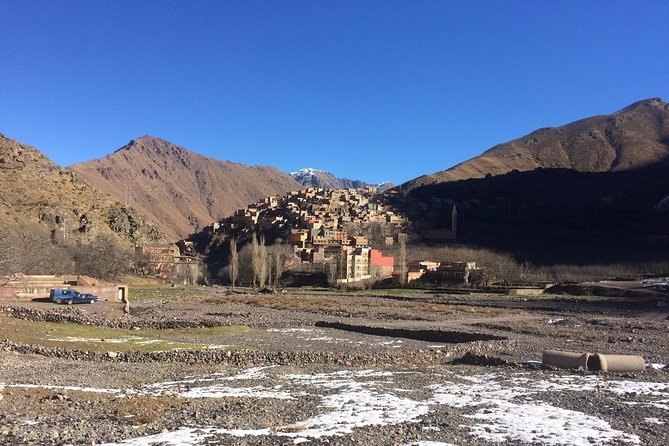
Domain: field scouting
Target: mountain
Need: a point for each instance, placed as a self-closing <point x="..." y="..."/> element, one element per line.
<point x="41" y="196"/>
<point x="633" y="137"/>
<point x="549" y="216"/>
<point x="180" y="190"/>
<point x="325" y="180"/>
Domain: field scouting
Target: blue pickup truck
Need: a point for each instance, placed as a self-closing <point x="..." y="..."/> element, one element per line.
<point x="71" y="296"/>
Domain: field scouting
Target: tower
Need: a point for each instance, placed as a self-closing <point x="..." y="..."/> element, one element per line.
<point x="454" y="223"/>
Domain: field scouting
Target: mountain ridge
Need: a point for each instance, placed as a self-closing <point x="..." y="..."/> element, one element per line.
<point x="56" y="203"/>
<point x="634" y="136"/>
<point x="323" y="179"/>
<point x="181" y="190"/>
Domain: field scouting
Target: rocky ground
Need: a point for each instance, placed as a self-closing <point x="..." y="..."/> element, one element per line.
<point x="208" y="366"/>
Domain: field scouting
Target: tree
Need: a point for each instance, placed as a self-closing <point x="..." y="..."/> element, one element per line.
<point x="103" y="258"/>
<point x="255" y="259"/>
<point x="332" y="272"/>
<point x="279" y="254"/>
<point x="259" y="260"/>
<point x="265" y="265"/>
<point x="28" y="250"/>
<point x="234" y="262"/>
<point x="245" y="273"/>
<point x="402" y="259"/>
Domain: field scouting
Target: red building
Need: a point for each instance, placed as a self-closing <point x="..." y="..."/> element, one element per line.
<point x="380" y="264"/>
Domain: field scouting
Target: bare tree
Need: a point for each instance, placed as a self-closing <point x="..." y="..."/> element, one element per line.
<point x="402" y="259"/>
<point x="29" y="250"/>
<point x="331" y="272"/>
<point x="255" y="259"/>
<point x="234" y="262"/>
<point x="245" y="274"/>
<point x="265" y="266"/>
<point x="104" y="258"/>
<point x="259" y="260"/>
<point x="280" y="254"/>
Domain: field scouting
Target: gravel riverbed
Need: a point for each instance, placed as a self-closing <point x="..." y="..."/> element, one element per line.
<point x="321" y="378"/>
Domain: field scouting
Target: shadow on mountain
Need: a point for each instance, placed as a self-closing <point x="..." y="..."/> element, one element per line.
<point x="554" y="215"/>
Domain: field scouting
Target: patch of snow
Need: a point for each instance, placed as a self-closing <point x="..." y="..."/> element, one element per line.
<point x="223" y="391"/>
<point x="654" y="421"/>
<point x="291" y="330"/>
<point x="533" y="363"/>
<point x="555" y="321"/>
<point x="655" y="366"/>
<point x="506" y="407"/>
<point x="250" y="373"/>
<point x="148" y="341"/>
<point x="656" y="281"/>
<point x="320" y="338"/>
<point x="186" y="436"/>
<point x="105" y="340"/>
<point x="502" y="408"/>
<point x="393" y="342"/>
<point x="429" y="443"/>
<point x="358" y="408"/>
<point x="541" y="423"/>
<point x="305" y="171"/>
<point x="63" y="388"/>
<point x="313" y="334"/>
<point x="205" y="387"/>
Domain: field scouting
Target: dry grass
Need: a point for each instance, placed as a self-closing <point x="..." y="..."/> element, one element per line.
<point x="146" y="409"/>
<point x="94" y="338"/>
<point x="349" y="305"/>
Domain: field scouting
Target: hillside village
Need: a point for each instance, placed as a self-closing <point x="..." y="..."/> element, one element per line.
<point x="350" y="234"/>
<point x="325" y="226"/>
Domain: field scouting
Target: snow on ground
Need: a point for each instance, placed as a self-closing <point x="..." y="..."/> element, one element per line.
<point x="185" y="436"/>
<point x="497" y="407"/>
<point x="429" y="443"/>
<point x="106" y="340"/>
<point x="655" y="366"/>
<point x="505" y="406"/>
<point x="136" y="340"/>
<point x="315" y="334"/>
<point x="62" y="388"/>
<point x="654" y="421"/>
<point x="656" y="281"/>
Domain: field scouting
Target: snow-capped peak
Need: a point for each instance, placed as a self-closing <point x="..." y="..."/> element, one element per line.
<point x="307" y="171"/>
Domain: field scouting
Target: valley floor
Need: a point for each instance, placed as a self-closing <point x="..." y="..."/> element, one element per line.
<point x="205" y="366"/>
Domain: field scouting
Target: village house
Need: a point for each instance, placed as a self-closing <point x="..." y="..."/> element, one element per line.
<point x="380" y="265"/>
<point x="316" y="223"/>
<point x="425" y="272"/>
<point x="28" y="287"/>
<point x="166" y="263"/>
<point x="355" y="265"/>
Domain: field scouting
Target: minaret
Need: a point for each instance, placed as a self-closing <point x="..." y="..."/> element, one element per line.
<point x="454" y="223"/>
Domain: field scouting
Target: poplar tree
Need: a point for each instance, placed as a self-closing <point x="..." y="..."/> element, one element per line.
<point x="234" y="262"/>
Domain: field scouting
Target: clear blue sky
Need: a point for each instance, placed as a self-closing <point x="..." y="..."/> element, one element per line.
<point x="372" y="90"/>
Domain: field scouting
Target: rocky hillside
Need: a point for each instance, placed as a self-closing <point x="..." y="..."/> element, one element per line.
<point x="636" y="136"/>
<point x="180" y="190"/>
<point x="39" y="194"/>
<point x="322" y="179"/>
<point x="553" y="216"/>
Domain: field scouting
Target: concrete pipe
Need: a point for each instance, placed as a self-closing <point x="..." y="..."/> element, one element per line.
<point x="616" y="363"/>
<point x="566" y="360"/>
